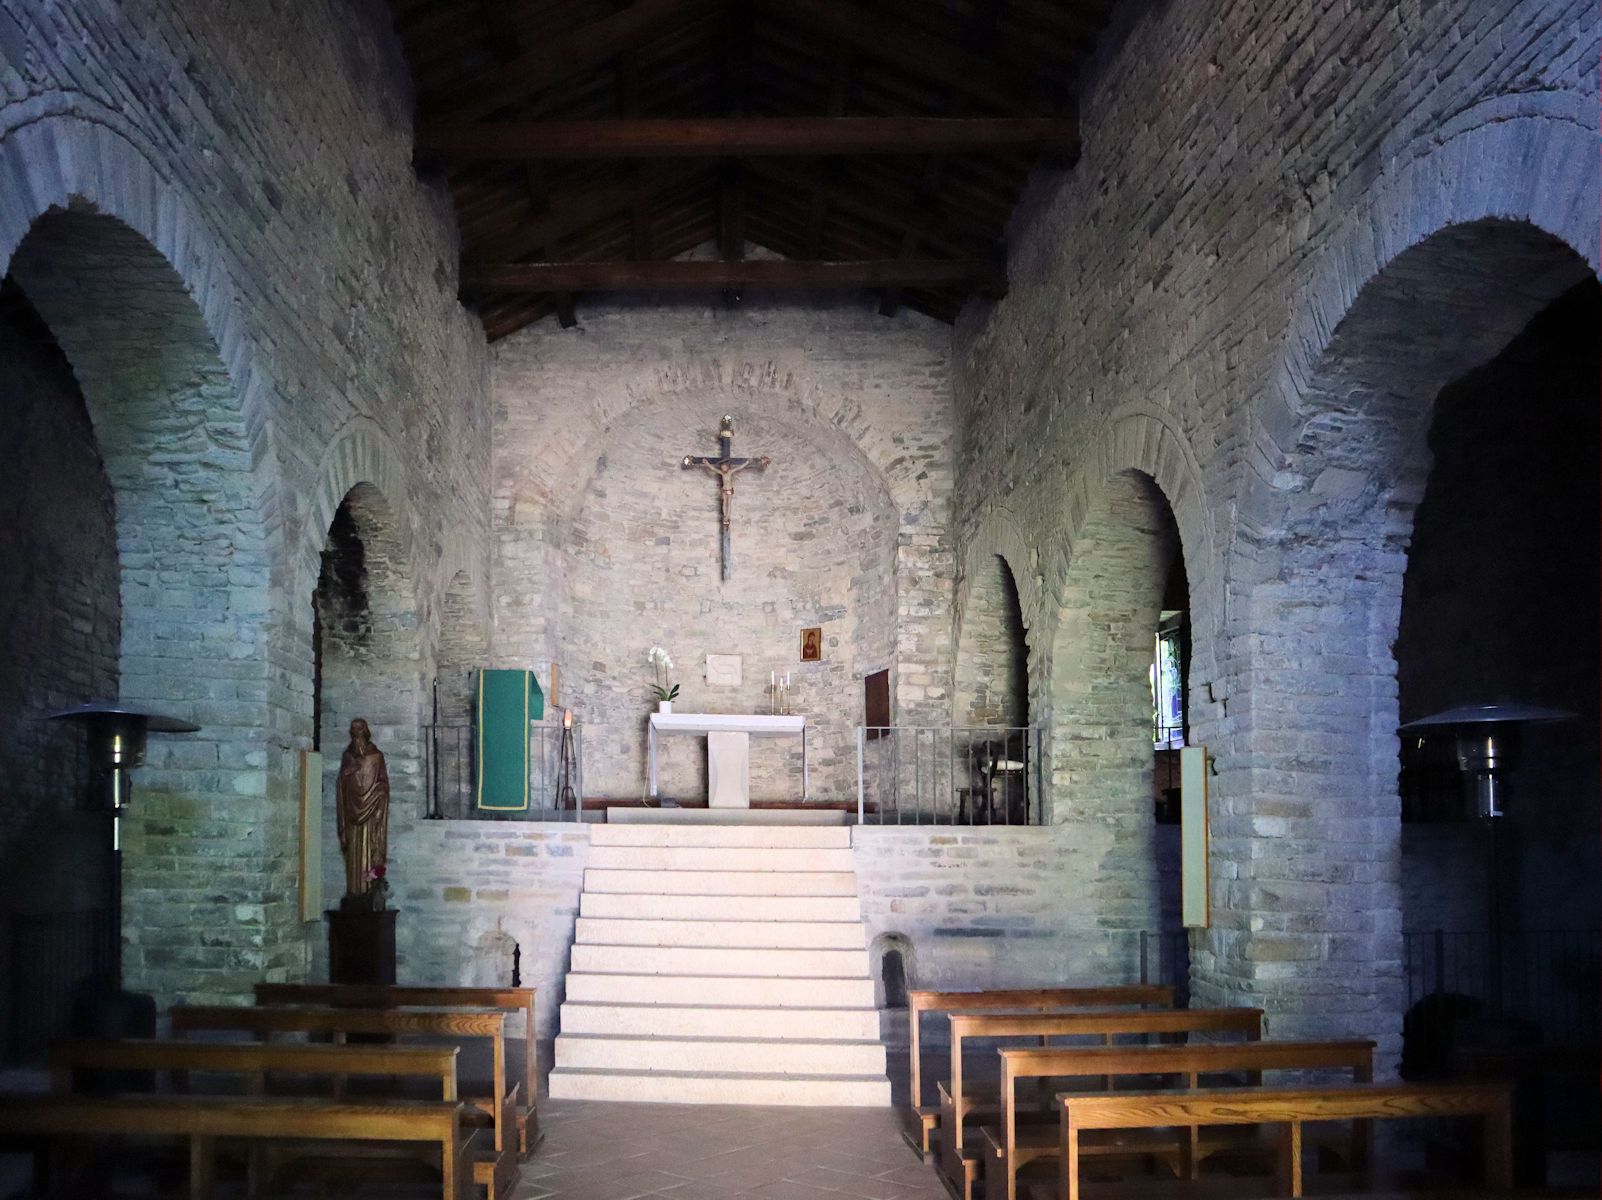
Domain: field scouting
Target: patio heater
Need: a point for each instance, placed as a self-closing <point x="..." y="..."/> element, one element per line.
<point x="116" y="745"/>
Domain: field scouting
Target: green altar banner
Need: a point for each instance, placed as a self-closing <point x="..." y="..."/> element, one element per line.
<point x="507" y="702"/>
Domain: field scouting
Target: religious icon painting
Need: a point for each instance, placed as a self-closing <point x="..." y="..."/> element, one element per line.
<point x="812" y="644"/>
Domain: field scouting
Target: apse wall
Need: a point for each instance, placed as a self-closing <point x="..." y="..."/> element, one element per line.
<point x="606" y="545"/>
<point x="1173" y="308"/>
<point x="814" y="546"/>
<point x="264" y="152"/>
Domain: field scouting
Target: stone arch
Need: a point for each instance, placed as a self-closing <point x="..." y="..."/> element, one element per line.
<point x="1316" y="569"/>
<point x="181" y="448"/>
<point x="991" y="675"/>
<point x="370" y="655"/>
<point x="362" y="453"/>
<point x="463" y="647"/>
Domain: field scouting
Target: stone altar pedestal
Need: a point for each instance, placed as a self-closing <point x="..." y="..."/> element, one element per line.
<point x="728" y="749"/>
<point x="361" y="946"/>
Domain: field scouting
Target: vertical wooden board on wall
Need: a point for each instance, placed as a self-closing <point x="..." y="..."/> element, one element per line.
<point x="311" y="835"/>
<point x="1193" y="771"/>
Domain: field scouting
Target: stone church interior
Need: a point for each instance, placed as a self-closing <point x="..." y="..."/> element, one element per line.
<point x="838" y="598"/>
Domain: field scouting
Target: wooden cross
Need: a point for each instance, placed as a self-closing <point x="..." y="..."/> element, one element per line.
<point x="725" y="467"/>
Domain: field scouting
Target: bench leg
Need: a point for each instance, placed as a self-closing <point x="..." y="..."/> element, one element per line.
<point x="1499" y="1149"/>
<point x="1070" y="1161"/>
<point x="1290" y="1159"/>
<point x="202" y="1167"/>
<point x="451" y="1169"/>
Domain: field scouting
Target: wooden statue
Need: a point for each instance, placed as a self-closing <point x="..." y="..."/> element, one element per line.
<point x="362" y="796"/>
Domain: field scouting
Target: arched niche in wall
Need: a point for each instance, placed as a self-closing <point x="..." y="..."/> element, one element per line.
<point x="814" y="540"/>
<point x="992" y="664"/>
<point x="1321" y="550"/>
<point x="369" y="659"/>
<point x="134" y="510"/>
<point x="1124" y="582"/>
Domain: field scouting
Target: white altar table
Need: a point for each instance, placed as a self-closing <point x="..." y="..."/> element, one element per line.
<point x="728" y="749"/>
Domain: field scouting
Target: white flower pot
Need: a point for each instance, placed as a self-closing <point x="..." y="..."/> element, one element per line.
<point x="664" y="706"/>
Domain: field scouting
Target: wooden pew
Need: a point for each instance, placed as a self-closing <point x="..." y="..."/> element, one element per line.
<point x="1009" y="1148"/>
<point x="204" y="1119"/>
<point x="513" y="1000"/>
<point x="497" y="1173"/>
<point x="1291" y="1107"/>
<point x="255" y="1061"/>
<point x="926" y="1115"/>
<point x="960" y="1162"/>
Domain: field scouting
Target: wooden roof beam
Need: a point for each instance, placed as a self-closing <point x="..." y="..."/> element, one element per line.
<point x="985" y="276"/>
<point x="748" y="137"/>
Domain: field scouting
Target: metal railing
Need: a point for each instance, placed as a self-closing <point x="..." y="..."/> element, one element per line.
<point x="1548" y="978"/>
<point x="950" y="775"/>
<point x="49" y="955"/>
<point x="450" y="771"/>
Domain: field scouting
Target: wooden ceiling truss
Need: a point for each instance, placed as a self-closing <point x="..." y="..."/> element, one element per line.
<point x="813" y="145"/>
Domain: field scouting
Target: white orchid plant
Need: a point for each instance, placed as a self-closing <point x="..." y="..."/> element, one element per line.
<point x="662" y="664"/>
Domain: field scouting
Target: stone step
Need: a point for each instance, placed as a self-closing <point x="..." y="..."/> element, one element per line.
<point x="699" y="960"/>
<point x="766" y="1056"/>
<point x="702" y="991"/>
<point x="721" y="908"/>
<point x="777" y="859"/>
<point x="837" y="1091"/>
<point x="765" y="836"/>
<point x="767" y="935"/>
<point x="646" y="1020"/>
<point x="721" y="883"/>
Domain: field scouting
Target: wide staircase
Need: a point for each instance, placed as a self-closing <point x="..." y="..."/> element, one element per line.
<point x="720" y="964"/>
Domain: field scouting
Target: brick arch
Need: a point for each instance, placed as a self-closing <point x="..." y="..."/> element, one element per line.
<point x="1447" y="259"/>
<point x="63" y="149"/>
<point x="984" y="644"/>
<point x="361" y="453"/>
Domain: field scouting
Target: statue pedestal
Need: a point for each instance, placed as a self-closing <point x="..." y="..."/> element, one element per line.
<point x="361" y="946"/>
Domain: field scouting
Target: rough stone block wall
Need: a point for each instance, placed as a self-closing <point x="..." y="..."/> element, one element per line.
<point x="1182" y="303"/>
<point x="606" y="546"/>
<point x="278" y="190"/>
<point x="60" y="614"/>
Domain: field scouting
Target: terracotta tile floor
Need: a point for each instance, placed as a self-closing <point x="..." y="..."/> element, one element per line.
<point x="596" y="1151"/>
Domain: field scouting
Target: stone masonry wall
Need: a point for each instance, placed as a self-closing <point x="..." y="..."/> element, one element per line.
<point x="1181" y="304"/>
<point x="263" y="152"/>
<point x="606" y="546"/>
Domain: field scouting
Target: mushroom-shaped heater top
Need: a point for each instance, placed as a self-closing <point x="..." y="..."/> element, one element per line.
<point x="117" y="741"/>
<point x="1487" y="740"/>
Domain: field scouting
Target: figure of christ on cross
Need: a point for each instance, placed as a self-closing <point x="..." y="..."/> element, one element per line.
<point x="725" y="467"/>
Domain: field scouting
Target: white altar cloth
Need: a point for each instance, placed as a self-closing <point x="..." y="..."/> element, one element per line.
<point x="728" y="755"/>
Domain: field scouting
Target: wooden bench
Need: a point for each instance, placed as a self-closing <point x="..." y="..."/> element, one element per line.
<point x="1010" y="1146"/>
<point x="1290" y="1107"/>
<point x="960" y="1103"/>
<point x="204" y="1119"/>
<point x="255" y="1061"/>
<point x="926" y="1115"/>
<point x="512" y="1000"/>
<point x="498" y="1172"/>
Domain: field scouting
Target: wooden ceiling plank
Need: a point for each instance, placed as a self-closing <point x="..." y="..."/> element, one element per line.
<point x="572" y="52"/>
<point x="979" y="275"/>
<point x="696" y="137"/>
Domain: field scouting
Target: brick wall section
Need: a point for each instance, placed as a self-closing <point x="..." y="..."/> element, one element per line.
<point x="992" y="659"/>
<point x="605" y="546"/>
<point x="60" y="614"/>
<point x="280" y="189"/>
<point x="1174" y="301"/>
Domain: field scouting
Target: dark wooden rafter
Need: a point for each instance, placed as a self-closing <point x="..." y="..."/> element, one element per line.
<point x="593" y="145"/>
<point x="748" y="137"/>
<point x="979" y="275"/>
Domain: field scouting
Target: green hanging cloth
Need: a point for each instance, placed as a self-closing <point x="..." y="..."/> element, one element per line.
<point x="507" y="702"/>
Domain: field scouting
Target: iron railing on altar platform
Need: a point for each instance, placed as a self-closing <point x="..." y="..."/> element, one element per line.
<point x="950" y="775"/>
<point x="555" y="775"/>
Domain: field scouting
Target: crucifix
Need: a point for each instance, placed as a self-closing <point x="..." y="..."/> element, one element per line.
<point x="725" y="467"/>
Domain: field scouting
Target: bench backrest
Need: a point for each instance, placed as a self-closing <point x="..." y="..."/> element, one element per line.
<point x="1108" y="1023"/>
<point x="362" y="995"/>
<point x="257" y="1059"/>
<point x="920" y="1001"/>
<point x="1251" y="1106"/>
<point x="401" y="1022"/>
<point x="232" y="1116"/>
